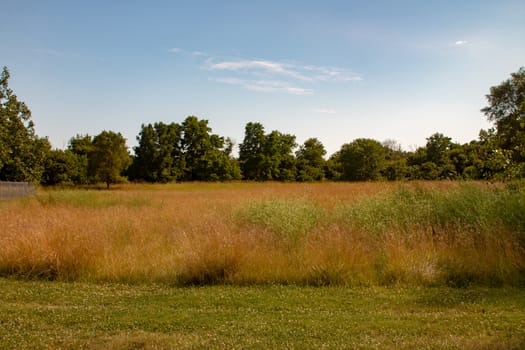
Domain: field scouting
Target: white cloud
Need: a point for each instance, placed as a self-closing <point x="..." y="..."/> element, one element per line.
<point x="298" y="72"/>
<point x="267" y="86"/>
<point x="270" y="76"/>
<point x="461" y="43"/>
<point x="258" y="67"/>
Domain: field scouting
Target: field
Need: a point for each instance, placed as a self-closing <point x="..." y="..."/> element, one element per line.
<point x="371" y="265"/>
<point x="43" y="315"/>
<point x="350" y="234"/>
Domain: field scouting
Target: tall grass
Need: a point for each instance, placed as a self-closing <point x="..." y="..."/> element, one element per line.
<point x="316" y="234"/>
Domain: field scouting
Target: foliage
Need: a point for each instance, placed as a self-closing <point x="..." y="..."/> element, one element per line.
<point x="251" y="152"/>
<point x="362" y="160"/>
<point x="207" y="157"/>
<point x="396" y="166"/>
<point x="191" y="152"/>
<point x="267" y="156"/>
<point x="507" y="110"/>
<point x="310" y="161"/>
<point x="158" y="157"/>
<point x="22" y="152"/>
<point x="109" y="157"/>
<point x="64" y="168"/>
<point x="279" y="161"/>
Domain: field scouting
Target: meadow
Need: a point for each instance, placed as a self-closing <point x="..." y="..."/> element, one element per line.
<point x="426" y="265"/>
<point x="347" y="234"/>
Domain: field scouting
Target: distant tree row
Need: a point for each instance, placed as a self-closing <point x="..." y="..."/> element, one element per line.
<point x="189" y="151"/>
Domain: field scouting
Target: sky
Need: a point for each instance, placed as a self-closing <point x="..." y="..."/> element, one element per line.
<point x="335" y="70"/>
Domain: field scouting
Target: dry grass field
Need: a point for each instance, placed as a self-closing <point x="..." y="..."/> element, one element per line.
<point x="356" y="234"/>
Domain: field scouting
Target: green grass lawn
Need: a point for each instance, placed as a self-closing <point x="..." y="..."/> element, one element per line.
<point x="36" y="314"/>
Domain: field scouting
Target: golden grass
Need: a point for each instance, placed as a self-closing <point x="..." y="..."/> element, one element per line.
<point x="204" y="234"/>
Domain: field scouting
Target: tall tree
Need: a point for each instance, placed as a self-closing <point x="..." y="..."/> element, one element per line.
<point x="109" y="157"/>
<point x="362" y="160"/>
<point x="396" y="167"/>
<point x="251" y="152"/>
<point x="507" y="110"/>
<point x="63" y="168"/>
<point x="22" y="152"/>
<point x="279" y="160"/>
<point x="206" y="156"/>
<point x="81" y="146"/>
<point x="196" y="141"/>
<point x="433" y="161"/>
<point x="310" y="161"/>
<point x="158" y="155"/>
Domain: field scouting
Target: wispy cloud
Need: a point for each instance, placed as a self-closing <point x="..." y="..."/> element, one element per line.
<point x="299" y="72"/>
<point x="265" y="85"/>
<point x="270" y="76"/>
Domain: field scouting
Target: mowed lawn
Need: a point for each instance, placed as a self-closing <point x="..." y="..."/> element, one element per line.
<point x="54" y="315"/>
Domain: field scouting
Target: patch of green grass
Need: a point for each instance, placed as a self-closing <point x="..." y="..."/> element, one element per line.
<point x="91" y="199"/>
<point x="289" y="220"/>
<point x="468" y="206"/>
<point x="41" y="315"/>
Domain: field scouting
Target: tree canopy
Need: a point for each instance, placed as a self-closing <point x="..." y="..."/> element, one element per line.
<point x="190" y="151"/>
<point x="109" y="157"/>
<point x="22" y="152"/>
<point x="506" y="108"/>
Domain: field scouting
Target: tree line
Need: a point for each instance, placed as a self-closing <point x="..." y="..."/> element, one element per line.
<point x="190" y="151"/>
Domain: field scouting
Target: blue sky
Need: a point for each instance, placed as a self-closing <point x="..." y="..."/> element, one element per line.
<point x="335" y="70"/>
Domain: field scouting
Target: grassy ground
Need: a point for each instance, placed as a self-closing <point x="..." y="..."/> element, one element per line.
<point x="330" y="265"/>
<point x="42" y="315"/>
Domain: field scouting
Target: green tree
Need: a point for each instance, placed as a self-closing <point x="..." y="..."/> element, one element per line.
<point x="487" y="160"/>
<point x="251" y="152"/>
<point x="206" y="156"/>
<point x="396" y="167"/>
<point x="81" y="147"/>
<point x="507" y="110"/>
<point x="109" y="157"/>
<point x="158" y="155"/>
<point x="63" y="168"/>
<point x="333" y="168"/>
<point x="310" y="161"/>
<point x="267" y="156"/>
<point x="438" y="148"/>
<point x="362" y="160"/>
<point x="22" y="152"/>
<point x="279" y="161"/>
<point x="433" y="161"/>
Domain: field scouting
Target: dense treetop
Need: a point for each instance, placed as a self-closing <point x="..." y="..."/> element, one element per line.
<point x="190" y="151"/>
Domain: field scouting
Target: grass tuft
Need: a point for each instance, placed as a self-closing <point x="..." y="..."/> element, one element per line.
<point x="289" y="220"/>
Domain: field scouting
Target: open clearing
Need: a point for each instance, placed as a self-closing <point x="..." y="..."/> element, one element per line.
<point x="35" y="314"/>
